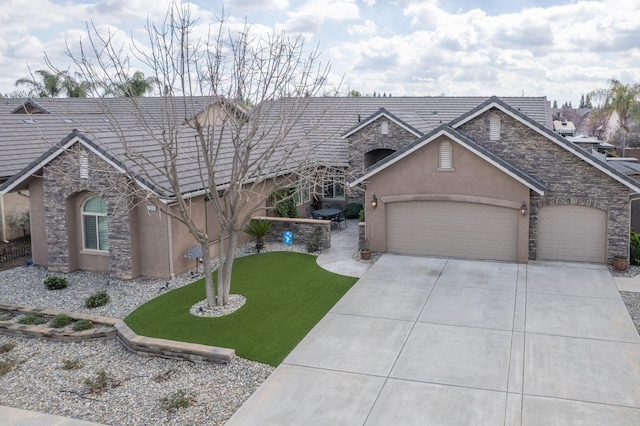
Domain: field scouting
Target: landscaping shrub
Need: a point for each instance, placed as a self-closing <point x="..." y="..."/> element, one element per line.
<point x="361" y="215"/>
<point x="55" y="283"/>
<point x="635" y="247"/>
<point x="313" y="243"/>
<point x="99" y="383"/>
<point x="32" y="320"/>
<point x="284" y="203"/>
<point x="178" y="399"/>
<point x="60" y="321"/>
<point x="6" y="365"/>
<point x="71" y="364"/>
<point x="352" y="210"/>
<point x="82" y="325"/>
<point x="6" y="347"/>
<point x="100" y="298"/>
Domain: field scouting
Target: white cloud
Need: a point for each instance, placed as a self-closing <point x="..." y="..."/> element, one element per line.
<point x="308" y="18"/>
<point x="367" y="28"/>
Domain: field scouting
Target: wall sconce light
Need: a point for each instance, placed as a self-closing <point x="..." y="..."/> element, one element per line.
<point x="523" y="209"/>
<point x="374" y="201"/>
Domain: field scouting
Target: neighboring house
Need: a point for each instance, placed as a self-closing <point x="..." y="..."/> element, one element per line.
<point x="495" y="184"/>
<point x="451" y="176"/>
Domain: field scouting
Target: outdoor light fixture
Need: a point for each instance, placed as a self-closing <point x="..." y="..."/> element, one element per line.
<point x="523" y="208"/>
<point x="374" y="201"/>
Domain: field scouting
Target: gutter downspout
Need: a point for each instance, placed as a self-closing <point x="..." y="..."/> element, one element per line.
<point x="3" y="225"/>
<point x="170" y="247"/>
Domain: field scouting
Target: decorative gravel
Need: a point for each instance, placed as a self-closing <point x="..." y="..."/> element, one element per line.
<point x="202" y="309"/>
<point x="38" y="382"/>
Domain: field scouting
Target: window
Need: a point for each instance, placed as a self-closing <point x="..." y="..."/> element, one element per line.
<point x="384" y="127"/>
<point x="334" y="189"/>
<point x="303" y="193"/>
<point x="94" y="224"/>
<point x="446" y="156"/>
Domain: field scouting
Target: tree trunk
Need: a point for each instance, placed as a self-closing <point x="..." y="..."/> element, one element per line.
<point x="225" y="268"/>
<point x="208" y="276"/>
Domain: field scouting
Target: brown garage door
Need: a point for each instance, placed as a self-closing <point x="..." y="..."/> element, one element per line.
<point x="573" y="233"/>
<point x="452" y="229"/>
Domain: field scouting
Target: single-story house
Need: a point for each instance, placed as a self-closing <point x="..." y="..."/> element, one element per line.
<point x="468" y="177"/>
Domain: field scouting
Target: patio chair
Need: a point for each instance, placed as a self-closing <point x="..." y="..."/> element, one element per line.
<point x="339" y="220"/>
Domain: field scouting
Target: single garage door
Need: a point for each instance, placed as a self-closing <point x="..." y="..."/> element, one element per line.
<point x="452" y="229"/>
<point x="573" y="233"/>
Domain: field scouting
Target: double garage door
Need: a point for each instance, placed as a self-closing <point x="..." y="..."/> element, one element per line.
<point x="479" y="231"/>
<point x="452" y="229"/>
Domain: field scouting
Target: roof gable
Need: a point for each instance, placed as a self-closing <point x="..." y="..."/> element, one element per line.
<point x="46" y="158"/>
<point x="382" y="113"/>
<point x="496" y="103"/>
<point x="444" y="130"/>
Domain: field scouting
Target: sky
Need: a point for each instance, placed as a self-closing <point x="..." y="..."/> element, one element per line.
<point x="560" y="49"/>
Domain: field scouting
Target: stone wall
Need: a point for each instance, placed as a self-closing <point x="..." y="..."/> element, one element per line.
<point x="62" y="183"/>
<point x="302" y="230"/>
<point x="569" y="180"/>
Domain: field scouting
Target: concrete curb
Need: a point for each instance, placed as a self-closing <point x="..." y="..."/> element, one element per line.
<point x="141" y="345"/>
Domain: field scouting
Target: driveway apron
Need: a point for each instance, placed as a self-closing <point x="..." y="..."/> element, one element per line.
<point x="429" y="341"/>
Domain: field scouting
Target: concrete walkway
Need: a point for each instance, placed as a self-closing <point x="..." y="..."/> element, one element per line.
<point x="421" y="341"/>
<point x="341" y="257"/>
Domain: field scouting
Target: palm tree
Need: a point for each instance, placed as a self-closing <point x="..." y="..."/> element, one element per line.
<point x="55" y="84"/>
<point x="49" y="87"/>
<point x="621" y="99"/>
<point x="136" y="86"/>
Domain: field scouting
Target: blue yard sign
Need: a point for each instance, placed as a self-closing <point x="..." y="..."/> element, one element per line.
<point x="287" y="237"/>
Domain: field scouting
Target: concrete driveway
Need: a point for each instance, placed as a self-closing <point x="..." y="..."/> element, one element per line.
<point x="421" y="341"/>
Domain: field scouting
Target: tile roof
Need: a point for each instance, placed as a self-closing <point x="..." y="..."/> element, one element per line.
<point x="318" y="124"/>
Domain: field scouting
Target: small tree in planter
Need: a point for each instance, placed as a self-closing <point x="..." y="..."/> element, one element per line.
<point x="259" y="228"/>
<point x="365" y="253"/>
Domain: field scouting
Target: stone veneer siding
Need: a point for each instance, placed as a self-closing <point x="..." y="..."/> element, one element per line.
<point x="569" y="179"/>
<point x="62" y="182"/>
<point x="371" y="138"/>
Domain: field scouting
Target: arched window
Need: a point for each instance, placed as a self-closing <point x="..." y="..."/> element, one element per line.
<point x="446" y="155"/>
<point x="94" y="224"/>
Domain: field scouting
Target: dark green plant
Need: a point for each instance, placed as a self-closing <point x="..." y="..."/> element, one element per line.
<point x="32" y="320"/>
<point x="6" y="347"/>
<point x="82" y="325"/>
<point x="61" y="320"/>
<point x="361" y="215"/>
<point x="283" y="202"/>
<point x="100" y="382"/>
<point x="55" y="283"/>
<point x="100" y="298"/>
<point x="313" y="243"/>
<point x="178" y="399"/>
<point x="352" y="210"/>
<point x="71" y="364"/>
<point x="635" y="247"/>
<point x="259" y="228"/>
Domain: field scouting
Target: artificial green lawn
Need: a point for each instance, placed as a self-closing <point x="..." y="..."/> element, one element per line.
<point x="287" y="294"/>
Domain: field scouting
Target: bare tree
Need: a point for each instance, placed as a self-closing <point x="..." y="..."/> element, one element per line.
<point x="208" y="140"/>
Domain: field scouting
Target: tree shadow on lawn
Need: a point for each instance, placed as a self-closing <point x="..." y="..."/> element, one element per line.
<point x="287" y="294"/>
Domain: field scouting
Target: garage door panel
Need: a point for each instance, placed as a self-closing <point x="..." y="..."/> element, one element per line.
<point x="452" y="229"/>
<point x="572" y="233"/>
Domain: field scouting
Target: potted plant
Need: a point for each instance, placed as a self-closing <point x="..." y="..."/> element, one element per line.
<point x="259" y="228"/>
<point x="365" y="253"/>
<point x="620" y="263"/>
